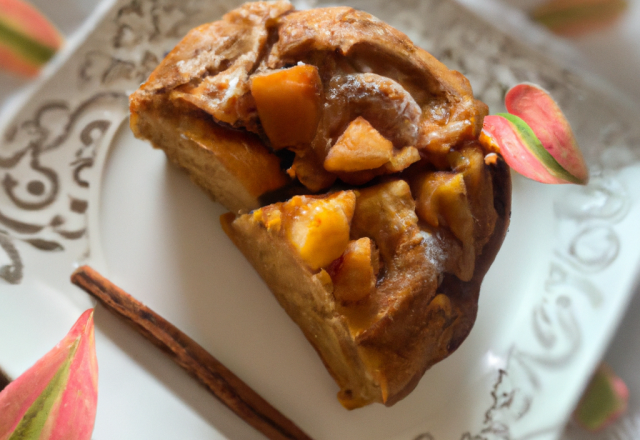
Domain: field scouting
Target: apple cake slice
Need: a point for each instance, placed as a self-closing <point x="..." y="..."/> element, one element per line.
<point x="350" y="162"/>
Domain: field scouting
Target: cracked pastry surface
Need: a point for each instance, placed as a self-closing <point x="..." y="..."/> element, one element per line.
<point x="395" y="216"/>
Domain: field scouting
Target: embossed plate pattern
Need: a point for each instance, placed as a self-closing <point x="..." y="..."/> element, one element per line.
<point x="76" y="187"/>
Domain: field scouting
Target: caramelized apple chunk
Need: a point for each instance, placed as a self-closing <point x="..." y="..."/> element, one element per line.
<point x="469" y="160"/>
<point x="310" y="172"/>
<point x="441" y="200"/>
<point x="354" y="277"/>
<point x="318" y="228"/>
<point x="288" y="103"/>
<point x="361" y="153"/>
<point x="382" y="101"/>
<point x="402" y="160"/>
<point x="457" y="207"/>
<point x="386" y="213"/>
<point x="361" y="147"/>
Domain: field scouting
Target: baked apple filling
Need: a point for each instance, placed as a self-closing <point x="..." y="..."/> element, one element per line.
<point x="387" y="217"/>
<point x="380" y="253"/>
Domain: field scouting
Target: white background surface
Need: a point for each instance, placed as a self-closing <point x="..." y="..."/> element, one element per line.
<point x="612" y="54"/>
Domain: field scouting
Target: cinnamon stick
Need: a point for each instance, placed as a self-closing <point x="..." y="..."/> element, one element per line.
<point x="218" y="379"/>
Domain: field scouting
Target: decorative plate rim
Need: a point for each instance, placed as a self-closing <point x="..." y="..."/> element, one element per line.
<point x="63" y="141"/>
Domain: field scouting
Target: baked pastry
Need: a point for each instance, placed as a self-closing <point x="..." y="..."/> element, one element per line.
<point x="397" y="210"/>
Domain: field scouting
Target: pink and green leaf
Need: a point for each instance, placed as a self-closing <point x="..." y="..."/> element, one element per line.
<point x="535" y="138"/>
<point x="604" y="401"/>
<point x="57" y="397"/>
<point x="536" y="107"/>
<point x="522" y="150"/>
<point x="27" y="39"/>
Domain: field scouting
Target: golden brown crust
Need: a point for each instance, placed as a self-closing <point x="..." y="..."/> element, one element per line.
<point x="215" y="47"/>
<point x="190" y="83"/>
<point x="209" y="72"/>
<point x="362" y="38"/>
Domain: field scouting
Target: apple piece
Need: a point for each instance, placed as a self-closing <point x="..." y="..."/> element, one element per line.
<point x="361" y="147"/>
<point x="309" y="171"/>
<point x="55" y="399"/>
<point x="478" y="182"/>
<point x="27" y="39"/>
<point x="354" y="278"/>
<point x="386" y="214"/>
<point x="358" y="178"/>
<point x="402" y="159"/>
<point x="399" y="161"/>
<point x="319" y="228"/>
<point x="288" y="104"/>
<point x="441" y="200"/>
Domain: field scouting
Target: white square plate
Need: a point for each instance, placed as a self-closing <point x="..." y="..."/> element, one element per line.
<point x="78" y="188"/>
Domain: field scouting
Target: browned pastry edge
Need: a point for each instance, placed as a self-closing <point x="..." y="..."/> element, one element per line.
<point x="466" y="294"/>
<point x="219" y="160"/>
<point x="313" y="310"/>
<point x="312" y="307"/>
